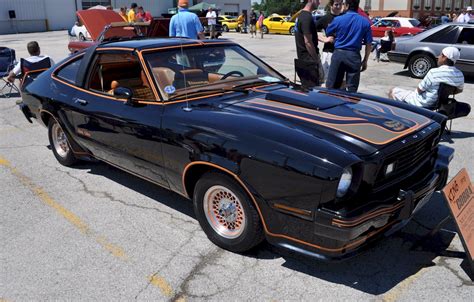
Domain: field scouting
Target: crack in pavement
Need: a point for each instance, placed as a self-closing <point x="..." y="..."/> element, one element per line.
<point x="182" y="292"/>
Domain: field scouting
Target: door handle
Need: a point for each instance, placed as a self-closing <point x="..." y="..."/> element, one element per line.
<point x="81" y="102"/>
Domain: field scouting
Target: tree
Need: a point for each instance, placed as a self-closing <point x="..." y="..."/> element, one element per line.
<point x="283" y="7"/>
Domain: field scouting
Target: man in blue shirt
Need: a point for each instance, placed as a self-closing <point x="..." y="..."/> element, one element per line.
<point x="350" y="31"/>
<point x="185" y="24"/>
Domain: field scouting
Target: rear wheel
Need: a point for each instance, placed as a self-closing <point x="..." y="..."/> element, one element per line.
<point x="420" y="64"/>
<point x="265" y="29"/>
<point x="60" y="144"/>
<point x="81" y="37"/>
<point x="226" y="213"/>
<point x="225" y="28"/>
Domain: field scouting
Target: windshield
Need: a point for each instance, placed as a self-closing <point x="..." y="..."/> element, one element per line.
<point x="415" y="22"/>
<point x="189" y="69"/>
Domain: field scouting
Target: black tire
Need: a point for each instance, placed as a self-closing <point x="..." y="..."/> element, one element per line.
<point x="62" y="153"/>
<point x="420" y="64"/>
<point x="292" y="30"/>
<point x="225" y="28"/>
<point x="265" y="29"/>
<point x="245" y="232"/>
<point x="81" y="37"/>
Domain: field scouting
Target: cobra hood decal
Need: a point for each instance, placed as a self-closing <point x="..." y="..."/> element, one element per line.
<point x="366" y="120"/>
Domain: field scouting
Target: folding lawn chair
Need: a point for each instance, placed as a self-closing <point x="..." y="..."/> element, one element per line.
<point x="7" y="63"/>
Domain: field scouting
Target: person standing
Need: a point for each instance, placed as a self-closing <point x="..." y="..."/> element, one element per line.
<point x="445" y="18"/>
<point x="351" y="31"/>
<point x="185" y="23"/>
<point x="426" y="94"/>
<point x="143" y="15"/>
<point x="240" y="22"/>
<point x="131" y="15"/>
<point x="335" y="9"/>
<point x="253" y="24"/>
<point x="308" y="63"/>
<point x="211" y="22"/>
<point x="260" y="23"/>
<point x="123" y="13"/>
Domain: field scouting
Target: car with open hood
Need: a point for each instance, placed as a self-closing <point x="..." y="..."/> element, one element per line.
<point x="279" y="24"/>
<point x="398" y="25"/>
<point x="321" y="172"/>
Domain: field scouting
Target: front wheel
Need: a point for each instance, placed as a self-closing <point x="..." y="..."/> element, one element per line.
<point x="292" y="30"/>
<point x="265" y="29"/>
<point x="225" y="28"/>
<point x="226" y="213"/>
<point x="60" y="144"/>
<point x="420" y="64"/>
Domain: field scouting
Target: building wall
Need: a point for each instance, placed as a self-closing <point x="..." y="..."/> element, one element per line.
<point x="36" y="15"/>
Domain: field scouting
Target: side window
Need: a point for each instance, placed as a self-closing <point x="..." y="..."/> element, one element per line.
<point x="396" y="24"/>
<point x="112" y="70"/>
<point x="446" y="35"/>
<point x="68" y="72"/>
<point x="466" y="36"/>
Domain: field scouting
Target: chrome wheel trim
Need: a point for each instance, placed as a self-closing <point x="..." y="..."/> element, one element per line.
<point x="421" y="66"/>
<point x="224" y="212"/>
<point x="60" y="143"/>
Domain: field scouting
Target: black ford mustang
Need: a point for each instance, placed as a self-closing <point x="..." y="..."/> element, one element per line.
<point x="320" y="172"/>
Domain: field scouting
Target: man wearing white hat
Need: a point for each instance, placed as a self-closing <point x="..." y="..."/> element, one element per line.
<point x="465" y="16"/>
<point x="426" y="94"/>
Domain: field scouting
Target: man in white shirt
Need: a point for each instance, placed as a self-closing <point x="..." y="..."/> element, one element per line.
<point x="211" y="22"/>
<point x="465" y="16"/>
<point x="426" y="94"/>
<point x="35" y="56"/>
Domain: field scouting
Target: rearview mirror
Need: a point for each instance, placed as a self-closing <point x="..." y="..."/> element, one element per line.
<point x="124" y="93"/>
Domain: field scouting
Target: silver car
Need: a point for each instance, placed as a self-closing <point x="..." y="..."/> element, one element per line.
<point x="419" y="52"/>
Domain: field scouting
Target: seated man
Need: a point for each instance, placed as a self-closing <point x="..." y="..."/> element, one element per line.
<point x="426" y="94"/>
<point x="35" y="56"/>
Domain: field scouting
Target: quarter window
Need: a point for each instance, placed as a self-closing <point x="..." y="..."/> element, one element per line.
<point x="69" y="71"/>
<point x="113" y="70"/>
<point x="446" y="35"/>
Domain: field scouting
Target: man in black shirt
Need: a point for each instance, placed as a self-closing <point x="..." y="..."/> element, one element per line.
<point x="335" y="7"/>
<point x="308" y="65"/>
<point x="253" y="24"/>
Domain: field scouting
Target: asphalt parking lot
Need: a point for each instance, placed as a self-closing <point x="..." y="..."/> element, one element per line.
<point x="93" y="232"/>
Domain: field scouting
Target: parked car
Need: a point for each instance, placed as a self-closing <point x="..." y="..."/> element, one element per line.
<point x="321" y="172"/>
<point x="227" y="22"/>
<point x="278" y="24"/>
<point x="400" y="26"/>
<point x="80" y="32"/>
<point x="419" y="53"/>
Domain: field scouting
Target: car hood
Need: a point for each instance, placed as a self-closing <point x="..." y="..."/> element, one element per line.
<point x="339" y="118"/>
<point x="96" y="19"/>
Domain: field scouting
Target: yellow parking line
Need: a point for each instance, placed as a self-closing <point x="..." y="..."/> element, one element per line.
<point x="115" y="250"/>
<point x="162" y="284"/>
<point x="65" y="213"/>
<point x="395" y="293"/>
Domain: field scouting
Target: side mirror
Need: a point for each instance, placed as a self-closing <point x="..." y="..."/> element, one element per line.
<point x="124" y="93"/>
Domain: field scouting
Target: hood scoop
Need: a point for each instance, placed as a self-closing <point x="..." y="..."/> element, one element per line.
<point x="310" y="100"/>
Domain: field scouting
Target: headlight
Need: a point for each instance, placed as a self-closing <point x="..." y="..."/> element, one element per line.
<point x="344" y="182"/>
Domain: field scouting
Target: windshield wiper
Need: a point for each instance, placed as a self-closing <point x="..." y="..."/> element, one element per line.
<point x="258" y="81"/>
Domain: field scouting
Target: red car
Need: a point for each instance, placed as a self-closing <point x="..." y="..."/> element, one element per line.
<point x="103" y="25"/>
<point x="400" y="27"/>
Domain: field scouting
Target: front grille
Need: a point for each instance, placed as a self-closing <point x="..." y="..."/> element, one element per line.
<point x="407" y="160"/>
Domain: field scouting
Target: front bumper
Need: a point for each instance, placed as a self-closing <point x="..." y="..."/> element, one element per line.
<point x="397" y="57"/>
<point x="336" y="237"/>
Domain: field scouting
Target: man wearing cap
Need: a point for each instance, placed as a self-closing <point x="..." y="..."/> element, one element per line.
<point x="465" y="15"/>
<point x="426" y="94"/>
<point x="185" y="23"/>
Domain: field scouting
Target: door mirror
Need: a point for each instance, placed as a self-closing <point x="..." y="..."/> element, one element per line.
<point x="124" y="93"/>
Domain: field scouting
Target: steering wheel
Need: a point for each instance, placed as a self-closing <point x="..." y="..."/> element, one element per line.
<point x="233" y="72"/>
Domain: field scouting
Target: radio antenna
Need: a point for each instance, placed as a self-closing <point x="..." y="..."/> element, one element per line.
<point x="187" y="108"/>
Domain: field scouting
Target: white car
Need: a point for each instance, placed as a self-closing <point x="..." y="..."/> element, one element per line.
<point x="79" y="31"/>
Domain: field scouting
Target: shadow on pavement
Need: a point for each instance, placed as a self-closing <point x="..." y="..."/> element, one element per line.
<point x="375" y="271"/>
